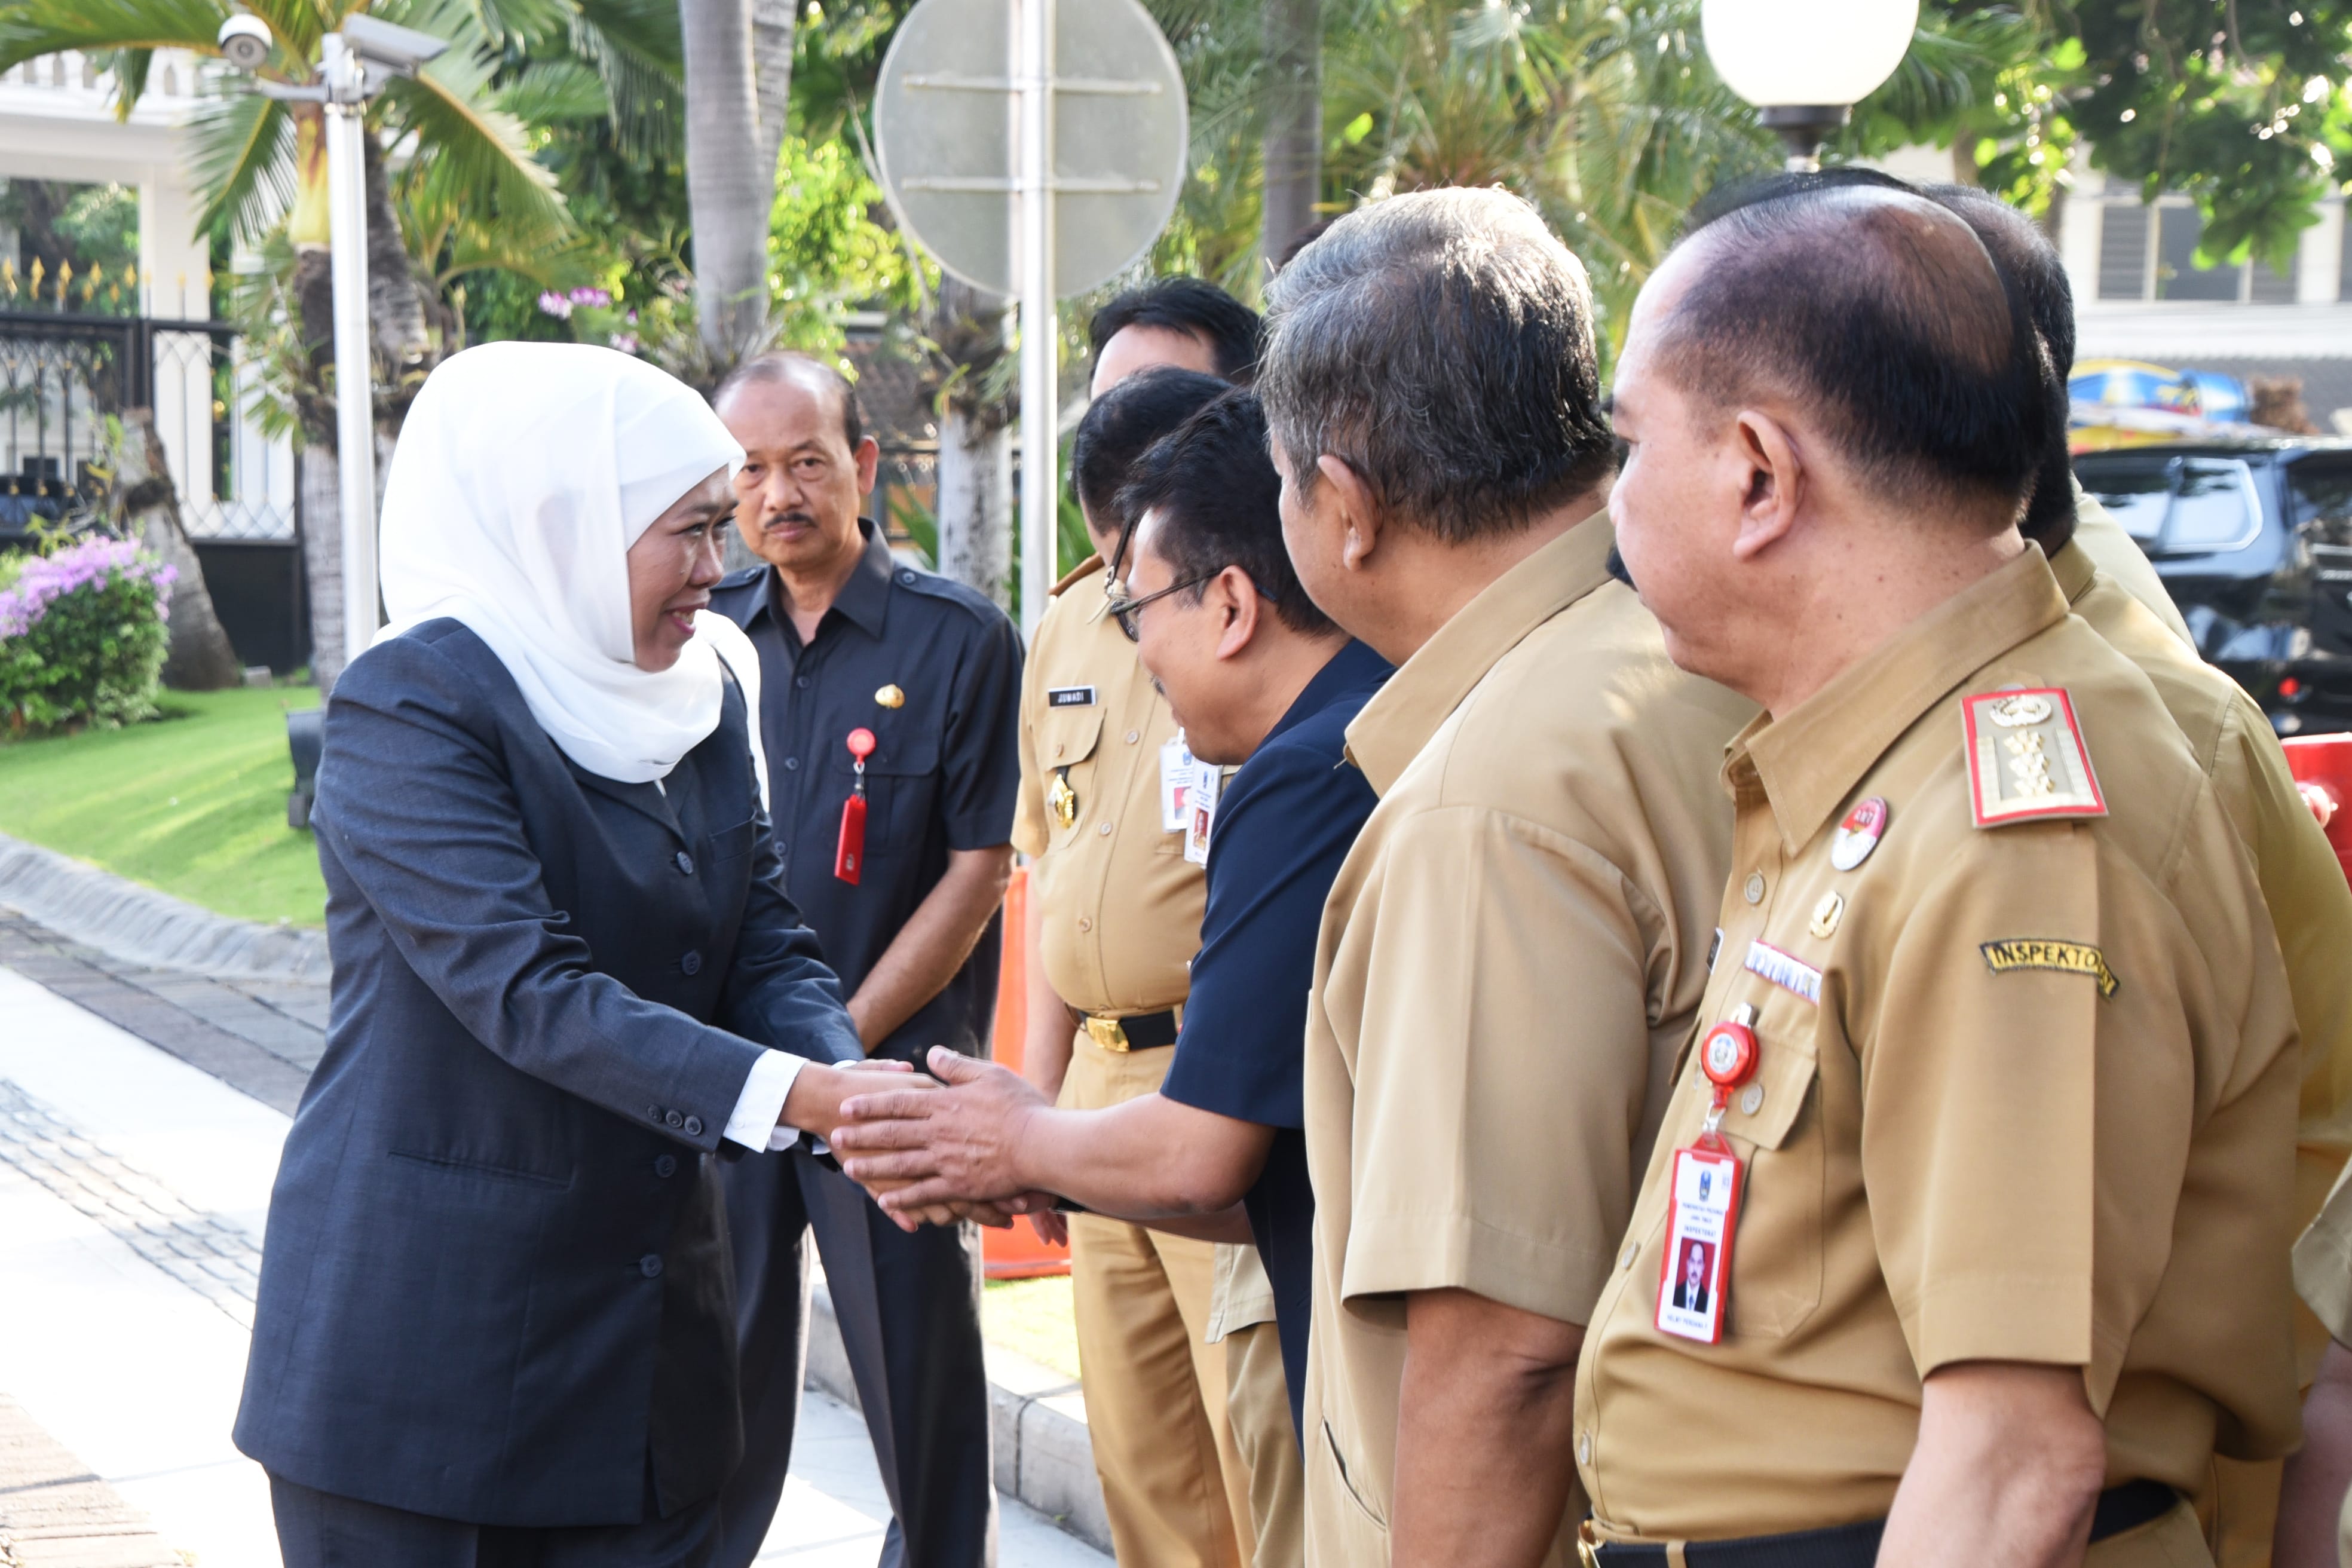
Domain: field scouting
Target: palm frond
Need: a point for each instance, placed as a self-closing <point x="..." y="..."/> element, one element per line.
<point x="128" y="69"/>
<point x="242" y="156"/>
<point x="523" y="22"/>
<point x="31" y="28"/>
<point x="551" y="90"/>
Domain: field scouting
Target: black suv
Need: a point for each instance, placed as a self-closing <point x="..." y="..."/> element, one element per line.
<point x="2253" y="536"/>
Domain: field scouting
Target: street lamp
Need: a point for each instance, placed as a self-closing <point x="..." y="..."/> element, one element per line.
<point x="1805" y="63"/>
<point x="353" y="66"/>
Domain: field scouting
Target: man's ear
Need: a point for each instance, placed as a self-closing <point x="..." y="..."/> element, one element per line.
<point x="1232" y="599"/>
<point x="869" y="464"/>
<point x="1353" y="512"/>
<point x="1773" y="483"/>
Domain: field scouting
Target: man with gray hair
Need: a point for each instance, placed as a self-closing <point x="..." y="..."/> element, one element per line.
<point x="1513" y="950"/>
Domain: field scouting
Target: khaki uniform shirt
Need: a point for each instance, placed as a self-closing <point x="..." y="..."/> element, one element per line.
<point x="1120" y="906"/>
<point x="2302" y="882"/>
<point x="1508" y="960"/>
<point x="2026" y="1093"/>
<point x="2118" y="556"/>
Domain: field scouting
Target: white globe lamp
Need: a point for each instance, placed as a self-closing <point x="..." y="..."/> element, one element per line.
<point x="1805" y="63"/>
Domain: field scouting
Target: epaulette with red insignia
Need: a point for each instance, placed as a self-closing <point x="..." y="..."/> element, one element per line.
<point x="2026" y="758"/>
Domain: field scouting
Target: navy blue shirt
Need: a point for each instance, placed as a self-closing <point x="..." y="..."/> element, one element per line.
<point x="1284" y="825"/>
<point x="944" y="775"/>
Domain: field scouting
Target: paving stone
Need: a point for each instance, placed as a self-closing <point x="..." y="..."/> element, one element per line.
<point x="54" y="1513"/>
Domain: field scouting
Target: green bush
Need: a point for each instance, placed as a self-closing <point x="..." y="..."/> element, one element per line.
<point x="82" y="638"/>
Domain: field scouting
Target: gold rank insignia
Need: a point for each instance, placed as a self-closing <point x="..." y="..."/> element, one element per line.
<point x="1826" y="915"/>
<point x="2026" y="758"/>
<point x="890" y="697"/>
<point x="1062" y="800"/>
<point x="2036" y="952"/>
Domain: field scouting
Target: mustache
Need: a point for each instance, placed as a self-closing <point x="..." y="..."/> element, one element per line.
<point x="798" y="516"/>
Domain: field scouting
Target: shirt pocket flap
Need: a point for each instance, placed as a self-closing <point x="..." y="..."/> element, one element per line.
<point x="1765" y="1107"/>
<point x="730" y="843"/>
<point x="1067" y="736"/>
<point x="897" y="754"/>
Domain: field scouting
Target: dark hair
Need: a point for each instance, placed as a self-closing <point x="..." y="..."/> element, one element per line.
<point x="785" y="365"/>
<point x="1189" y="306"/>
<point x="1885" y="313"/>
<point x="1218" y="501"/>
<point x="1301" y="240"/>
<point x="1121" y="424"/>
<point x="1441" y="345"/>
<point x="2020" y="249"/>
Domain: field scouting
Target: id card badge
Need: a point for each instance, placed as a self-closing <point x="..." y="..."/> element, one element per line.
<point x="1703" y="1197"/>
<point x="1200" y="810"/>
<point x="1175" y="781"/>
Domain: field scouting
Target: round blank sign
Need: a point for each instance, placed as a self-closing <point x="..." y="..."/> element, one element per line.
<point x="947" y="127"/>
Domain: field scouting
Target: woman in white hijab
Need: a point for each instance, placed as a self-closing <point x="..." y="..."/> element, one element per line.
<point x="496" y="1316"/>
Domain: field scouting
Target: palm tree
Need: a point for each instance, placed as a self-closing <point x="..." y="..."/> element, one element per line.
<point x="738" y="74"/>
<point x="469" y="177"/>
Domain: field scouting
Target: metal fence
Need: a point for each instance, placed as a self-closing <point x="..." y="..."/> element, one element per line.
<point x="62" y="374"/>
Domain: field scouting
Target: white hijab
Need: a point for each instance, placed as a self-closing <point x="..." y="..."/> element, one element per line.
<point x="524" y="473"/>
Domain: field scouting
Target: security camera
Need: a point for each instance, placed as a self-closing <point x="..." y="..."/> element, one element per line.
<point x="244" y="41"/>
<point x="396" y="49"/>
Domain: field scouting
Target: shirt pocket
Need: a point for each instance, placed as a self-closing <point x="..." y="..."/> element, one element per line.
<point x="902" y="786"/>
<point x="729" y="843"/>
<point x="1069" y="741"/>
<point x="1776" y="1259"/>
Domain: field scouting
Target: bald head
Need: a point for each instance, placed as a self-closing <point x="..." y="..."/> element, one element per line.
<point x="1881" y="315"/>
<point x="783" y="367"/>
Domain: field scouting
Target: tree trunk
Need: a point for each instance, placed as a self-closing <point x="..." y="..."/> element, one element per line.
<point x="147" y="505"/>
<point x="773" y="23"/>
<point x="1294" y="123"/>
<point x="395" y="304"/>
<point x="975" y="515"/>
<point x="729" y="191"/>
<point x="319" y="479"/>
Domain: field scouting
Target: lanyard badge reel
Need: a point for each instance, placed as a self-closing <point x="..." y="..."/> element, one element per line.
<point x="1703" y="1201"/>
<point x="850" y="856"/>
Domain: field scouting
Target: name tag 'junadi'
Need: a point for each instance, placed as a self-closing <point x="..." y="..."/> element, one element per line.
<point x="1703" y="1200"/>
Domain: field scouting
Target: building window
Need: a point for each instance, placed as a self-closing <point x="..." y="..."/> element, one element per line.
<point x="2178" y="276"/>
<point x="2123" y="251"/>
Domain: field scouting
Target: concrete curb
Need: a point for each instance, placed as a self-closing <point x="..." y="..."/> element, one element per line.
<point x="1037" y="1419"/>
<point x="141" y="925"/>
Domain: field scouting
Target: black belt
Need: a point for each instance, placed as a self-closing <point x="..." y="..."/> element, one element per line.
<point x="1135" y="1032"/>
<point x="2127" y="1507"/>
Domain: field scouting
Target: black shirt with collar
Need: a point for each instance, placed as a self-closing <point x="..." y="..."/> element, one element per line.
<point x="944" y="775"/>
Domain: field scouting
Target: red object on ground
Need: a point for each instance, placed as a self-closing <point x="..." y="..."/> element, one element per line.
<point x="2322" y="765"/>
<point x="1016" y="1254"/>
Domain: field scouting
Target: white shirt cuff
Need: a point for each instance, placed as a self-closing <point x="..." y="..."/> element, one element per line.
<point x="754" y="1123"/>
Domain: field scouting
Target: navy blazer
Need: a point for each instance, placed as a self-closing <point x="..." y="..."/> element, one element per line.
<point x="495" y="1286"/>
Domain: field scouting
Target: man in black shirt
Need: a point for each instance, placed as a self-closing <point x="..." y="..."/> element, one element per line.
<point x="1258" y="675"/>
<point x="886" y="713"/>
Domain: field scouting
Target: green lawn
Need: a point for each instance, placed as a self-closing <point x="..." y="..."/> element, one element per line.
<point x="194" y="802"/>
<point x="1032" y="1317"/>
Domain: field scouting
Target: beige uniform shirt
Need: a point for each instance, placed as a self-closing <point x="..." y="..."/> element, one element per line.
<point x="2302" y="883"/>
<point x="1509" y="957"/>
<point x="2323" y="1278"/>
<point x="1120" y="906"/>
<point x="2118" y="556"/>
<point x="2026" y="1093"/>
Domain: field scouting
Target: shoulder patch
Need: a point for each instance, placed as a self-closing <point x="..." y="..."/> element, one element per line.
<point x="2026" y="758"/>
<point x="2040" y="953"/>
<point x="1078" y="573"/>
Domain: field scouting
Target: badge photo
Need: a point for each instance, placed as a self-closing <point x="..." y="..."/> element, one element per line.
<point x="1175" y="781"/>
<point x="1201" y="805"/>
<point x="1697" y="1263"/>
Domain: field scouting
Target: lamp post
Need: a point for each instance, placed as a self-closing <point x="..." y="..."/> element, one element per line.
<point x="1805" y="63"/>
<point x="353" y="66"/>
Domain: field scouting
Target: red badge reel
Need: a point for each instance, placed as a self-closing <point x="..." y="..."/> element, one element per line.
<point x="850" y="857"/>
<point x="1703" y="1200"/>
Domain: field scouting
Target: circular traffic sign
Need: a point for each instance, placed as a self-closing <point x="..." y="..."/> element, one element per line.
<point x="947" y="121"/>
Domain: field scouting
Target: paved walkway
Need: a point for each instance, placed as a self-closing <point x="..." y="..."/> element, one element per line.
<point x="134" y="1182"/>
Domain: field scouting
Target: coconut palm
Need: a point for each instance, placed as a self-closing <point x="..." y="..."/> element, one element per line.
<point x="739" y="73"/>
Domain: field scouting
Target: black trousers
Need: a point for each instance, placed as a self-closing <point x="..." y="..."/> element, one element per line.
<point x="909" y="1312"/>
<point x="320" y="1529"/>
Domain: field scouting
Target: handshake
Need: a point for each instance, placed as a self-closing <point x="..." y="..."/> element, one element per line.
<point x="932" y="1151"/>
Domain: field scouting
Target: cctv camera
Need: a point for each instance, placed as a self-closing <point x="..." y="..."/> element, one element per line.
<point x="244" y="41"/>
<point x="400" y="50"/>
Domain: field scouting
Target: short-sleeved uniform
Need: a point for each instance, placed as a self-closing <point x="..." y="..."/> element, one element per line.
<point x="1284" y="826"/>
<point x="1508" y="960"/>
<point x="2026" y="1093"/>
<point x="1119" y="922"/>
<point x="934" y="670"/>
<point x="2119" y="558"/>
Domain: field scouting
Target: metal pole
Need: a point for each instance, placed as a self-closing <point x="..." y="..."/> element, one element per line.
<point x="1040" y="391"/>
<point x="354" y="400"/>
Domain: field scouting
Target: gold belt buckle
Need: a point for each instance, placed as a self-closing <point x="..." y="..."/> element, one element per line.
<point x="1107" y="1032"/>
<point x="1586" y="1547"/>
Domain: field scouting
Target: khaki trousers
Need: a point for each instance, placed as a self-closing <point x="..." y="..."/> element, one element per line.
<point x="1257" y="1402"/>
<point x="1174" y="1481"/>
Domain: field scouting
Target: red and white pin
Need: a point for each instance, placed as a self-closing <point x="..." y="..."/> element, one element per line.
<point x="1859" y="834"/>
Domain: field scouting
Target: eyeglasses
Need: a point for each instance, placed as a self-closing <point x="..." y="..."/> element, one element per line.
<point x="1129" y="612"/>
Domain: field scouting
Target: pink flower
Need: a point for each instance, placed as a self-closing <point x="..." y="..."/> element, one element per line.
<point x="91" y="564"/>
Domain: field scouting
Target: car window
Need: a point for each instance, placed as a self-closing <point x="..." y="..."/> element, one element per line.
<point x="2216" y="508"/>
<point x="2322" y="487"/>
<point x="2138" y="491"/>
